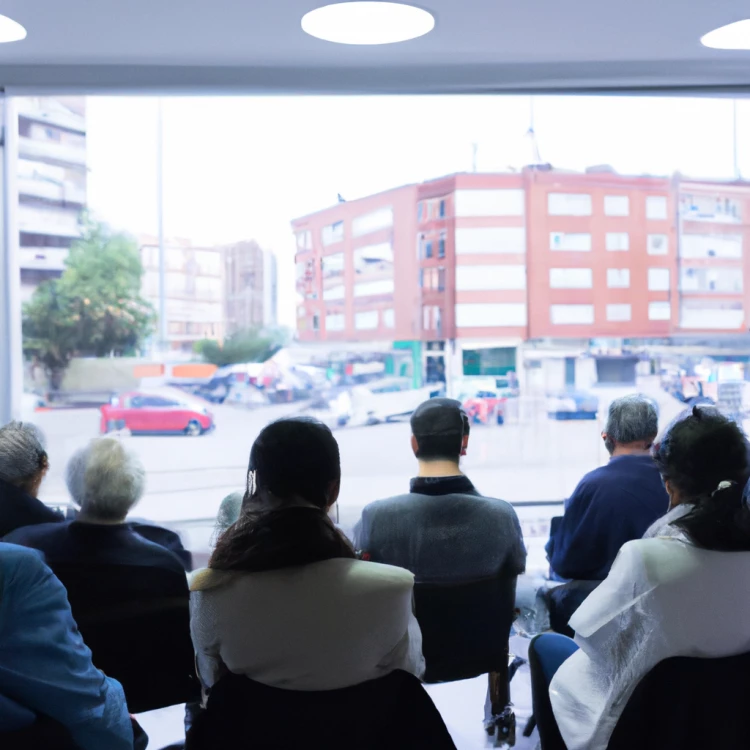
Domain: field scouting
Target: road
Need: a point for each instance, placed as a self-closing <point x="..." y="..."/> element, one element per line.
<point x="534" y="459"/>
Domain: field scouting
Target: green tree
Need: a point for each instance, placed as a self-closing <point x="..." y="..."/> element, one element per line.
<point x="94" y="308"/>
<point x="251" y="345"/>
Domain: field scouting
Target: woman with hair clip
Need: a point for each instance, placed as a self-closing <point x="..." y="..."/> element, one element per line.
<point x="284" y="601"/>
<point x="685" y="591"/>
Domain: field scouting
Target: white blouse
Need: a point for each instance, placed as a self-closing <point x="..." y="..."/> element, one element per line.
<point x="322" y="626"/>
<point x="663" y="597"/>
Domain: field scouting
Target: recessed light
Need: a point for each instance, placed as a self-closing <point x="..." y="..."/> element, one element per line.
<point x="10" y="30"/>
<point x="733" y="36"/>
<point x="367" y="22"/>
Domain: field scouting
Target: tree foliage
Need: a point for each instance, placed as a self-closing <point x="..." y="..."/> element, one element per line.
<point x="251" y="345"/>
<point x="94" y="308"/>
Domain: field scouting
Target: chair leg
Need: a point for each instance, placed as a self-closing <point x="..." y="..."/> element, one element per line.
<point x="499" y="716"/>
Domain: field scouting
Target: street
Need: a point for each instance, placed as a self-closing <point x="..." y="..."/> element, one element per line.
<point x="529" y="461"/>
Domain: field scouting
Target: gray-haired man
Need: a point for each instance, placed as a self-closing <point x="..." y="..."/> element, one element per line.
<point x="615" y="503"/>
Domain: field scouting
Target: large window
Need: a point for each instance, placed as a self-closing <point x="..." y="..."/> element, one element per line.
<point x="313" y="245"/>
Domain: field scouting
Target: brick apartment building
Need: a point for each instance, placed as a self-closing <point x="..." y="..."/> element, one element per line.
<point x="486" y="262"/>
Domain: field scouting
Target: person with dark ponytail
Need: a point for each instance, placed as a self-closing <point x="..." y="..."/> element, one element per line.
<point x="284" y="601"/>
<point x="684" y="590"/>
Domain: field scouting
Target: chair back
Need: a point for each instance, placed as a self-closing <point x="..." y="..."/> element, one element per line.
<point x="688" y="704"/>
<point x="393" y="711"/>
<point x="546" y="653"/>
<point x="465" y="627"/>
<point x="138" y="634"/>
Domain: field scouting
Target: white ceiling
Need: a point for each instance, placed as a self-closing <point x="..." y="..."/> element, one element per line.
<point x="477" y="45"/>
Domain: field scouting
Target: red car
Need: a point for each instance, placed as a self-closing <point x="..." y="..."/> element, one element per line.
<point x="143" y="413"/>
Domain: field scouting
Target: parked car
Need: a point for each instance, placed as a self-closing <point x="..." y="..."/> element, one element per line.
<point x="572" y="405"/>
<point x="145" y="413"/>
<point x="484" y="407"/>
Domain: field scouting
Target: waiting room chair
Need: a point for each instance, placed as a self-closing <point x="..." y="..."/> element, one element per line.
<point x="465" y="632"/>
<point x="684" y="703"/>
<point x="393" y="712"/>
<point x="139" y="637"/>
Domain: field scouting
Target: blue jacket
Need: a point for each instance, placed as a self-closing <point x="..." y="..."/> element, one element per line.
<point x="611" y="505"/>
<point x="45" y="667"/>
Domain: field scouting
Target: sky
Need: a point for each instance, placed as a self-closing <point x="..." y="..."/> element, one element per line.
<point x="243" y="167"/>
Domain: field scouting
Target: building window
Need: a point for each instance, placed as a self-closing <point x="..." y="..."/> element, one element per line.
<point x="426" y="318"/>
<point x="334" y="322"/>
<point x="419" y="211"/>
<point x="711" y="315"/>
<point x="316" y="322"/>
<point x="618" y="241"/>
<point x="724" y="280"/>
<point x="656" y="207"/>
<point x="618" y="278"/>
<point x="374" y="288"/>
<point x="713" y="208"/>
<point x="658" y="244"/>
<point x="570" y="278"/>
<point x="618" y="313"/>
<point x="389" y="318"/>
<point x="658" y="279"/>
<point x="334" y="292"/>
<point x="490" y="240"/>
<point x="569" y="204"/>
<point x="441" y="279"/>
<point x="304" y="240"/>
<point x="428" y="249"/>
<point x="488" y="278"/>
<point x="575" y="241"/>
<point x="659" y="311"/>
<point x="571" y="314"/>
<point x="490" y="315"/>
<point x="333" y="233"/>
<point x="478" y="203"/>
<point x="616" y="205"/>
<point x="441" y="245"/>
<point x="711" y="246"/>
<point x="382" y="218"/>
<point x="366" y="321"/>
<point x="441" y="209"/>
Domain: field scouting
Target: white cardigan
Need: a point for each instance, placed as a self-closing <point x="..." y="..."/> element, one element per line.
<point x="663" y="597"/>
<point x="322" y="626"/>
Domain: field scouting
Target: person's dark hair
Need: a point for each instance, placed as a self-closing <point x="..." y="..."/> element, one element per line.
<point x="293" y="464"/>
<point x="701" y="450"/>
<point x="439" y="426"/>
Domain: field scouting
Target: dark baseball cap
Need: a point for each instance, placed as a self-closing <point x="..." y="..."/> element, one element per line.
<point x="438" y="416"/>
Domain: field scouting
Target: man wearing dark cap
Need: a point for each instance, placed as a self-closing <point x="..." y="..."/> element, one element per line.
<point x="443" y="530"/>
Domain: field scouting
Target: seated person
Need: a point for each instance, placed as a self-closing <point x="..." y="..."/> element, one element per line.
<point x="616" y="502"/>
<point x="45" y="667"/>
<point x="686" y="594"/>
<point x="109" y="570"/>
<point x="284" y="600"/>
<point x="443" y="530"/>
<point x="23" y="464"/>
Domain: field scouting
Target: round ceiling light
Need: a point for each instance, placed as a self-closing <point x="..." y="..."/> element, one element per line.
<point x="10" y="30"/>
<point x="367" y="22"/>
<point x="733" y="36"/>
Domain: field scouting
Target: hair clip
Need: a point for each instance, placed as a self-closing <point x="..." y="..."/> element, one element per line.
<point x="725" y="485"/>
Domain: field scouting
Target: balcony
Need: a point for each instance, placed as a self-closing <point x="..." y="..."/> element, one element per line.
<point x="43" y="110"/>
<point x="43" y="258"/>
<point x="58" y="222"/>
<point x="60" y="192"/>
<point x="54" y="153"/>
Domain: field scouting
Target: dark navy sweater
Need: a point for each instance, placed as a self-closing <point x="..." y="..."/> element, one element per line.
<point x="611" y="505"/>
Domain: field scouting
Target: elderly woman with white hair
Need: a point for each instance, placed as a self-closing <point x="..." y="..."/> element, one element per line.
<point x="119" y="584"/>
<point x="23" y="464"/>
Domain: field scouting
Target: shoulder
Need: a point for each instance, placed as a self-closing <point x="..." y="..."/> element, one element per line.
<point x="28" y="535"/>
<point x="388" y="504"/>
<point x="18" y="563"/>
<point x="369" y="573"/>
<point x="155" y="554"/>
